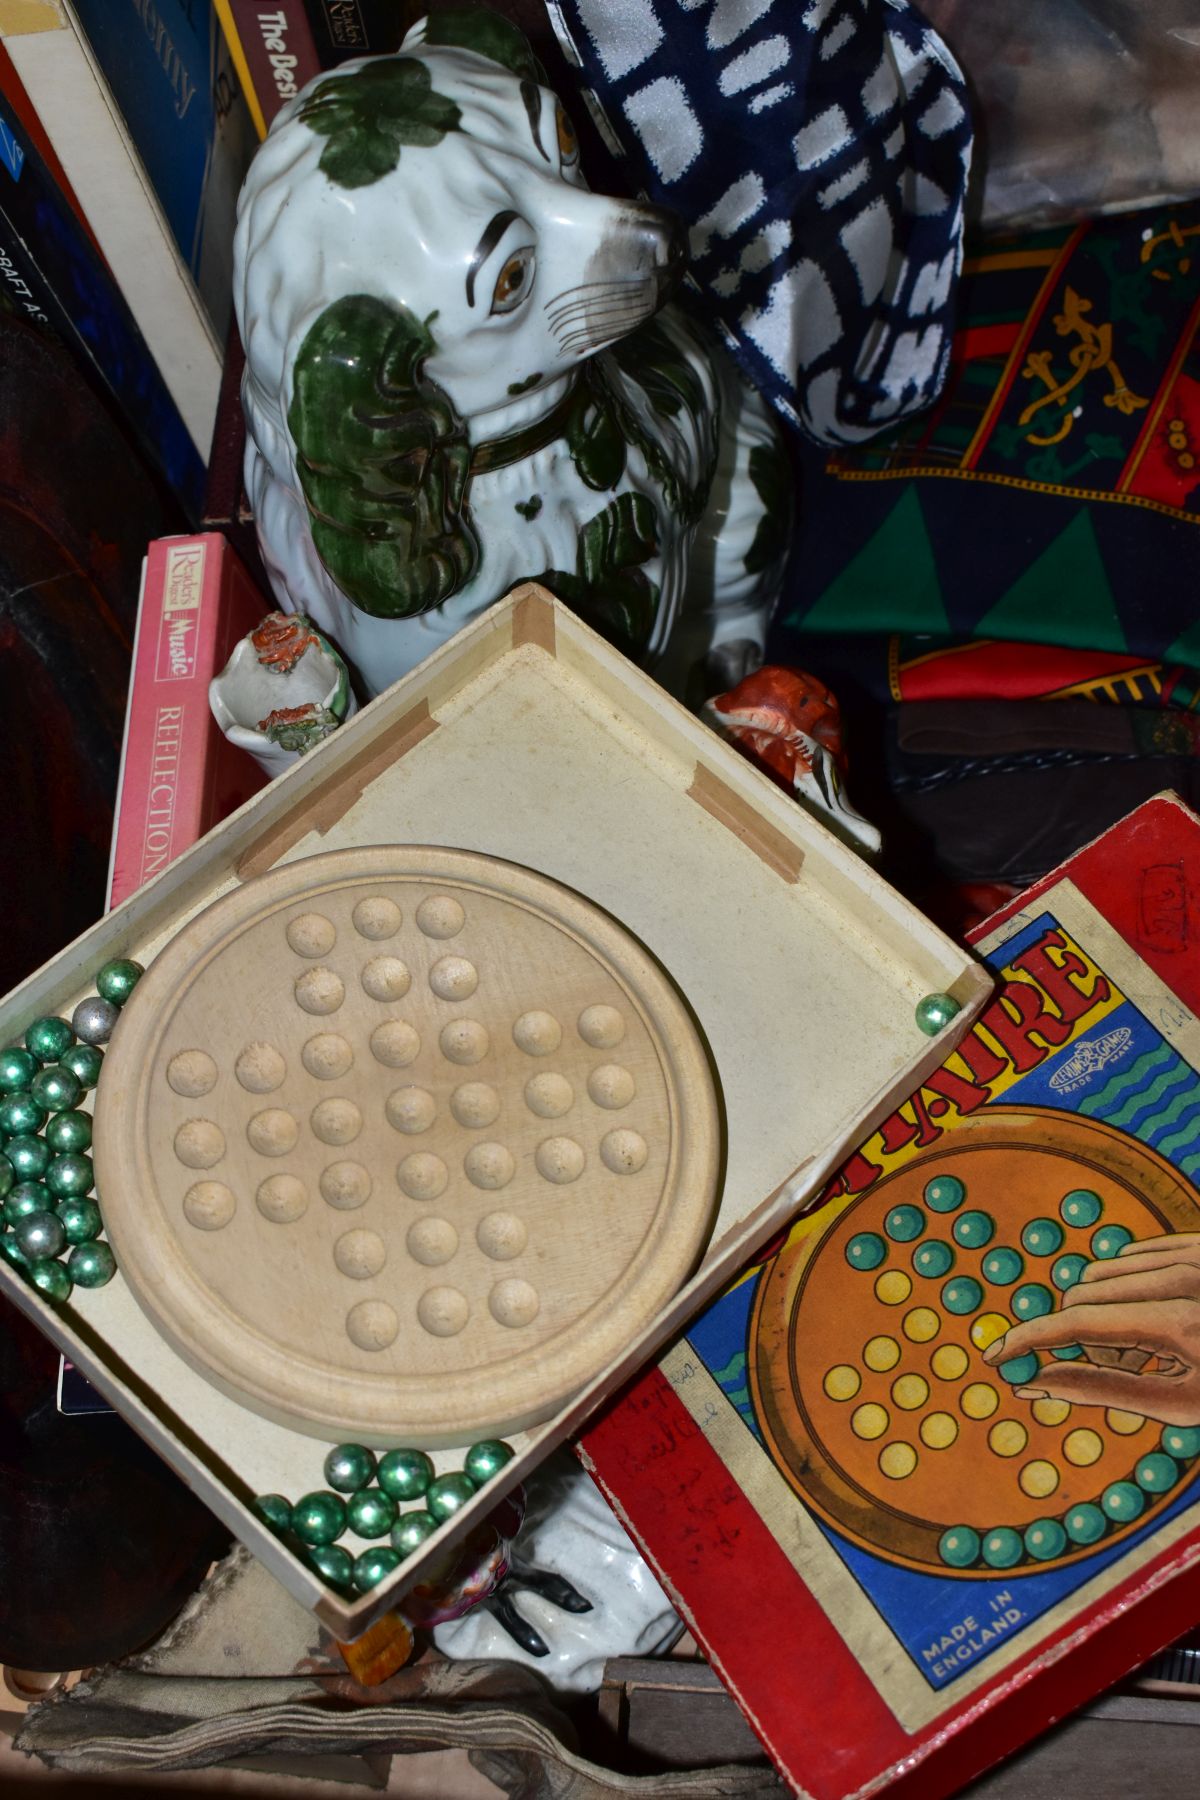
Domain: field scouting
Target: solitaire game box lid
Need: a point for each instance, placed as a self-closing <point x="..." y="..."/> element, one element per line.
<point x="530" y="741"/>
<point x="927" y="1475"/>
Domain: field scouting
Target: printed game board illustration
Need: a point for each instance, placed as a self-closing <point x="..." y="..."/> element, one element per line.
<point x="976" y="1365"/>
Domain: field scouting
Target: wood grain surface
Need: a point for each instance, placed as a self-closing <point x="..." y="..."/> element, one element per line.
<point x="404" y="1144"/>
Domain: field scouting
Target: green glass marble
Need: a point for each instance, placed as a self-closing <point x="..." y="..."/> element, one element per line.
<point x="1123" y="1501"/>
<point x="40" y="1234"/>
<point x="959" y="1547"/>
<point x="7" y="1177"/>
<point x="333" y="1564"/>
<point x="27" y="1198"/>
<point x="962" y="1295"/>
<point x="274" y="1510"/>
<point x="70" y="1177"/>
<point x="349" y="1467"/>
<point x="1181" y="1441"/>
<point x="81" y="1221"/>
<point x="1020" y="1370"/>
<point x="1065" y="1271"/>
<point x="1067" y="1352"/>
<point x="1031" y="1301"/>
<point x="20" y="1114"/>
<point x="485" y="1459"/>
<point x="370" y="1514"/>
<point x="117" y="979"/>
<point x="410" y="1531"/>
<point x="1042" y="1237"/>
<point x="935" y="1012"/>
<point x="17" y="1069"/>
<point x="68" y="1133"/>
<point x="1109" y="1241"/>
<point x="1156" y="1473"/>
<point x="447" y="1494"/>
<point x="904" y="1223"/>
<point x="47" y="1039"/>
<point x="371" y="1567"/>
<point x="50" y="1278"/>
<point x="973" y="1230"/>
<point x="1085" y="1524"/>
<point x="91" y="1265"/>
<point x="319" y="1518"/>
<point x="56" y="1088"/>
<point x="866" y="1250"/>
<point x="1081" y="1207"/>
<point x="405" y="1474"/>
<point x="28" y="1156"/>
<point x="1003" y="1547"/>
<point x="1003" y="1265"/>
<point x="85" y="1062"/>
<point x="933" y="1258"/>
<point x="1045" y="1539"/>
<point x="945" y="1193"/>
<point x="12" y="1252"/>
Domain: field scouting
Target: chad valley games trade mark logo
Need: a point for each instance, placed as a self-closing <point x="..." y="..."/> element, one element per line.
<point x="1090" y="1057"/>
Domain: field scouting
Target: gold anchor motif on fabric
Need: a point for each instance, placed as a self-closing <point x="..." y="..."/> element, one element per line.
<point x="1092" y="353"/>
<point x="1174" y="234"/>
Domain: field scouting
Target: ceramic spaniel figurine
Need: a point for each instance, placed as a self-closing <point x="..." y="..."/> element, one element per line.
<point x="460" y="373"/>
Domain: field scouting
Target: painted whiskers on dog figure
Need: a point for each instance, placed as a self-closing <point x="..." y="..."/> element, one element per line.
<point x="458" y="376"/>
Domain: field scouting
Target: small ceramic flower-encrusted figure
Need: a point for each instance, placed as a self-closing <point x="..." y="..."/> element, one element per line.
<point x="460" y="373"/>
<point x="284" y="689"/>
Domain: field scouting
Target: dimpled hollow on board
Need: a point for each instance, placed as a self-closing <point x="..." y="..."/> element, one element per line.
<point x="420" y="1140"/>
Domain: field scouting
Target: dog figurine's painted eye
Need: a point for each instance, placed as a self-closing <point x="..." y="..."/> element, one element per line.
<point x="514" y="281"/>
<point x="568" y="143"/>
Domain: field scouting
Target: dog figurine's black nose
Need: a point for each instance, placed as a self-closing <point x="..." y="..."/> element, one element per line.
<point x="653" y="238"/>
<point x="669" y="236"/>
<point x="640" y="240"/>
<point x="671" y="274"/>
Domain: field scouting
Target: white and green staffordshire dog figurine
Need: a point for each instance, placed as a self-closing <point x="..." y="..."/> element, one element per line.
<point x="460" y="373"/>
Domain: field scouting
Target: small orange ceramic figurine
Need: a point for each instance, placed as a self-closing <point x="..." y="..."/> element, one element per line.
<point x="790" y="724"/>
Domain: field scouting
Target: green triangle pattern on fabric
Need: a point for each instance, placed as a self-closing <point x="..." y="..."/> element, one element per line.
<point x="891" y="585"/>
<point x="1062" y="598"/>
<point x="1185" y="650"/>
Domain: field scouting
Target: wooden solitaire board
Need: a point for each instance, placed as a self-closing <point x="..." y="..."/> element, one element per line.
<point x="402" y="1144"/>
<point x="883" y="1413"/>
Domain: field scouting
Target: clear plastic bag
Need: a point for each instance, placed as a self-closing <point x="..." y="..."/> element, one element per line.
<point x="1082" y="106"/>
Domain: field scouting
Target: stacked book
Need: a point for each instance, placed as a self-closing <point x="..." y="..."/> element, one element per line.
<point x="125" y="138"/>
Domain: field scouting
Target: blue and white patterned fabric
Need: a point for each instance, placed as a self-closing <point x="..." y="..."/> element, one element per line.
<point x="819" y="152"/>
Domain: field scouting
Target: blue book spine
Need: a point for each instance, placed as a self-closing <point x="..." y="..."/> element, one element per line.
<point x="167" y="66"/>
<point x="51" y="275"/>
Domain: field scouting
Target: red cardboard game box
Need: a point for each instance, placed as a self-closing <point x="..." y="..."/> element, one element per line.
<point x="927" y="1476"/>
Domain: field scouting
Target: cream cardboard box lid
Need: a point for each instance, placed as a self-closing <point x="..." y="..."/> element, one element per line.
<point x="529" y="738"/>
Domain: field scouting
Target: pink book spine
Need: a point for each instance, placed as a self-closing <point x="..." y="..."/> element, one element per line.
<point x="178" y="775"/>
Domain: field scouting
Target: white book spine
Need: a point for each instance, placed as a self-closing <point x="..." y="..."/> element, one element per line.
<point x="89" y="136"/>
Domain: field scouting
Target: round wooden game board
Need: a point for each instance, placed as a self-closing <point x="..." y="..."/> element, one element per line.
<point x="866" y="1350"/>
<point x="405" y="1144"/>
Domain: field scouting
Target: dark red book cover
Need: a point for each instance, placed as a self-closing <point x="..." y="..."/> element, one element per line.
<point x="928" y="1475"/>
<point x="277" y="43"/>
